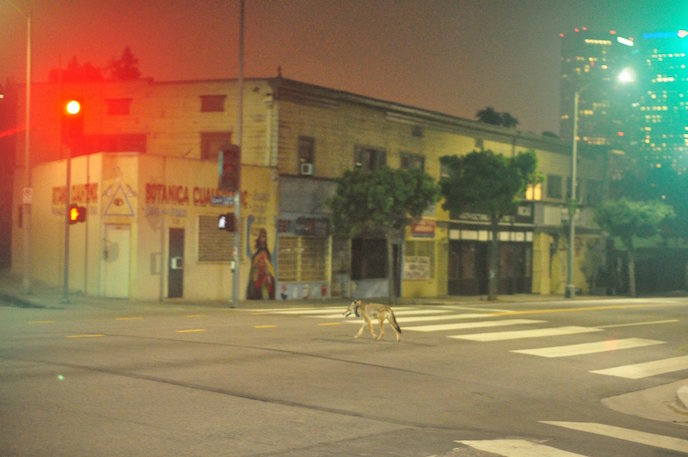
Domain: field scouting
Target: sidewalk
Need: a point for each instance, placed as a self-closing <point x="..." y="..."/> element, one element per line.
<point x="49" y="296"/>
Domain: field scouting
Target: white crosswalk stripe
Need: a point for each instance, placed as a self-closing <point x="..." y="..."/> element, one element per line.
<point x="589" y="348"/>
<point x="517" y="448"/>
<point x="517" y="334"/>
<point x="471" y="325"/>
<point x="647" y="369"/>
<point x="634" y="436"/>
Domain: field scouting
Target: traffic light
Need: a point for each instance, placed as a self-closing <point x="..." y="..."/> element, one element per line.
<point x="226" y="222"/>
<point x="76" y="214"/>
<point x="229" y="163"/>
<point x="72" y="124"/>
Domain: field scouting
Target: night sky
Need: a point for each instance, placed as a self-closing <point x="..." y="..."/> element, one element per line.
<point x="451" y="56"/>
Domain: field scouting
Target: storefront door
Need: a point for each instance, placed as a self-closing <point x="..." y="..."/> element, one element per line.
<point x="115" y="261"/>
<point x="175" y="272"/>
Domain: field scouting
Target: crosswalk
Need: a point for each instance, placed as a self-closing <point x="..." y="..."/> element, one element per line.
<point x="525" y="448"/>
<point x="495" y="325"/>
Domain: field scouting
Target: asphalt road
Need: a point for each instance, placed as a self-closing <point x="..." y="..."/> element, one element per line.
<point x="529" y="379"/>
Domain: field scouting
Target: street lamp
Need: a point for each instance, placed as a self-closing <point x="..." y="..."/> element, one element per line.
<point x="27" y="192"/>
<point x="626" y="76"/>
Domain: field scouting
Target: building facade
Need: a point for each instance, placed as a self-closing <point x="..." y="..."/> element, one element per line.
<point x="146" y="169"/>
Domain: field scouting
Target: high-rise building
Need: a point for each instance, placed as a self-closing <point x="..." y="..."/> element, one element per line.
<point x="663" y="103"/>
<point x="590" y="64"/>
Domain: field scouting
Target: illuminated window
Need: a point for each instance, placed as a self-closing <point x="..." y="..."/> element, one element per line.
<point x="534" y="191"/>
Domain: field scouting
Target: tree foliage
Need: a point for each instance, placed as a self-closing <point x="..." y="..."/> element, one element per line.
<point x="490" y="116"/>
<point x="381" y="202"/>
<point x="490" y="184"/>
<point x="125" y="68"/>
<point x="627" y="219"/>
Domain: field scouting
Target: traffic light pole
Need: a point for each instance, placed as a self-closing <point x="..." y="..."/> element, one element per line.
<point x="65" y="275"/>
<point x="237" y="191"/>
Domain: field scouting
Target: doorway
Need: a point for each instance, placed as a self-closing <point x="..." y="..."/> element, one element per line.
<point x="115" y="261"/>
<point x="175" y="272"/>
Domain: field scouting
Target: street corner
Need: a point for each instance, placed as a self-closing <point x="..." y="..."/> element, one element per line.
<point x="666" y="403"/>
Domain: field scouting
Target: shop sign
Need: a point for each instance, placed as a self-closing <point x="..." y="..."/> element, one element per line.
<point x="423" y="229"/>
<point x="417" y="268"/>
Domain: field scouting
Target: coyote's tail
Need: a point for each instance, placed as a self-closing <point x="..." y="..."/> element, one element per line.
<point x="393" y="321"/>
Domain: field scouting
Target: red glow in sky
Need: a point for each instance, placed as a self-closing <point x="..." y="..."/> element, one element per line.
<point x="452" y="56"/>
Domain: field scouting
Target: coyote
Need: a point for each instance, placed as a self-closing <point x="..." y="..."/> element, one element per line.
<point x="371" y="311"/>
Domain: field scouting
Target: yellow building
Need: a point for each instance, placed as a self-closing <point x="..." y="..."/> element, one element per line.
<point x="146" y="170"/>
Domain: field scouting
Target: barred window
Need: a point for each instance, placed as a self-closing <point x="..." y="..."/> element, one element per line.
<point x="302" y="258"/>
<point x="287" y="260"/>
<point x="214" y="245"/>
<point x="313" y="259"/>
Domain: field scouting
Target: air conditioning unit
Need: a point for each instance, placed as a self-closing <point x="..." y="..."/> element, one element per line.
<point x="306" y="169"/>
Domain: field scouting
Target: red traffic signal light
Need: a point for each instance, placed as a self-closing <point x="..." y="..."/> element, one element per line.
<point x="72" y="108"/>
<point x="229" y="167"/>
<point x="72" y="124"/>
<point x="226" y="222"/>
<point x="76" y="214"/>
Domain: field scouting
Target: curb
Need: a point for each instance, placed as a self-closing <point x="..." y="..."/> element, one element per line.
<point x="682" y="396"/>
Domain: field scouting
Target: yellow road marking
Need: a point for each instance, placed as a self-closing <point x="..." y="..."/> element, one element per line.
<point x="133" y="318"/>
<point x="191" y="330"/>
<point x="196" y="316"/>
<point x="329" y="324"/>
<point x="86" y="335"/>
<point x="41" y="322"/>
<point x="264" y="326"/>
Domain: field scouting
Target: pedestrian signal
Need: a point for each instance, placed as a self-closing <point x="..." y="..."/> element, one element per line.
<point x="76" y="214"/>
<point x="226" y="222"/>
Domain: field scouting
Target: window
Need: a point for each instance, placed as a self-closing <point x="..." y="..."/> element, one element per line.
<point x="368" y="258"/>
<point x="554" y="183"/>
<point x="214" y="245"/>
<point x="412" y="161"/>
<point x="302" y="258"/>
<point x="534" y="191"/>
<point x="212" y="103"/>
<point x="306" y="150"/>
<point x="369" y="159"/>
<point x="212" y="142"/>
<point x="118" y="106"/>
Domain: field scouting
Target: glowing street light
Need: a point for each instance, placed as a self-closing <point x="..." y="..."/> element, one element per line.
<point x="627" y="75"/>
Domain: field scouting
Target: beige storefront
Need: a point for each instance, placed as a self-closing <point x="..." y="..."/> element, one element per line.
<point x="151" y="229"/>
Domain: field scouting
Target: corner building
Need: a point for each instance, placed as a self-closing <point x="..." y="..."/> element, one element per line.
<point x="146" y="169"/>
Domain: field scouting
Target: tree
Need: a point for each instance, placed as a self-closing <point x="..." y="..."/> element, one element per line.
<point x="489" y="116"/>
<point x="126" y="68"/>
<point x="628" y="219"/>
<point x="490" y="184"/>
<point x="509" y="121"/>
<point x="76" y="72"/>
<point x="381" y="202"/>
<point x="492" y="117"/>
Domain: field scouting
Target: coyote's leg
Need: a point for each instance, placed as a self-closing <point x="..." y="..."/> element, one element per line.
<point x="370" y="325"/>
<point x="381" y="320"/>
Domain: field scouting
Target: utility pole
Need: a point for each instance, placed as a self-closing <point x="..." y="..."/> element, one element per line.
<point x="237" y="192"/>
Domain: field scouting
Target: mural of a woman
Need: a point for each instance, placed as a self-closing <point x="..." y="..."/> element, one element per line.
<point x="261" y="281"/>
